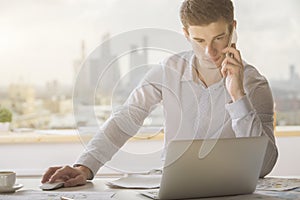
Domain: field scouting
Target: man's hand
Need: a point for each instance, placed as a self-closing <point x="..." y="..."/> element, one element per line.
<point x="233" y="70"/>
<point x="72" y="176"/>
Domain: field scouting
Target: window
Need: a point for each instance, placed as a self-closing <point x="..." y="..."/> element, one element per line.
<point x="269" y="40"/>
<point x="42" y="53"/>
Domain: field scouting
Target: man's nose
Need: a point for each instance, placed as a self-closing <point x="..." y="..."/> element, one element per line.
<point x="210" y="51"/>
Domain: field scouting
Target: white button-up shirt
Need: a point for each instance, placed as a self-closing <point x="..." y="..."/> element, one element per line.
<point x="191" y="111"/>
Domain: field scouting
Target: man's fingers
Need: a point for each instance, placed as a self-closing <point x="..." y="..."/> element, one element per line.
<point x="49" y="173"/>
<point x="69" y="175"/>
<point x="224" y="71"/>
<point x="231" y="61"/>
<point x="231" y="65"/>
<point x="229" y="69"/>
<point x="236" y="53"/>
<point x="78" y="180"/>
<point x="63" y="173"/>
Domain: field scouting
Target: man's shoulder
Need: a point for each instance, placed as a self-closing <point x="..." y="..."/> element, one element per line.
<point x="252" y="75"/>
<point x="178" y="62"/>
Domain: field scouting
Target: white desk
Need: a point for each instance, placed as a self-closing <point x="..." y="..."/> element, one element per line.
<point x="31" y="184"/>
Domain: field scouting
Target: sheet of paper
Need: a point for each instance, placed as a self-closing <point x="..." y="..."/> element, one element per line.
<point x="278" y="184"/>
<point x="137" y="181"/>
<point x="55" y="195"/>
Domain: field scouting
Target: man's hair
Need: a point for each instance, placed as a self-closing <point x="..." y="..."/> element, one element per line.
<point x="204" y="12"/>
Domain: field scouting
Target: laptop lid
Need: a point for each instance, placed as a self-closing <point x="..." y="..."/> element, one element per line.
<point x="230" y="167"/>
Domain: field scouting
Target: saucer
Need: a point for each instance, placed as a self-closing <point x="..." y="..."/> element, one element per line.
<point x="10" y="189"/>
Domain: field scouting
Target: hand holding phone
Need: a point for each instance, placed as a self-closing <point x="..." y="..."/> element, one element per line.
<point x="233" y="69"/>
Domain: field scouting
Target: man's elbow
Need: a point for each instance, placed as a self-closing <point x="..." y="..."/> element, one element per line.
<point x="269" y="162"/>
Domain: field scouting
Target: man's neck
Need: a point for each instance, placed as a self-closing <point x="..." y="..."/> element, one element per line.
<point x="208" y="76"/>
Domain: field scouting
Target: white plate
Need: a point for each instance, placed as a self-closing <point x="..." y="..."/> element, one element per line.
<point x="10" y="189"/>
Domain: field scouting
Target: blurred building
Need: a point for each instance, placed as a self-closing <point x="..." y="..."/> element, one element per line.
<point x="22" y="97"/>
<point x="287" y="98"/>
<point x="138" y="63"/>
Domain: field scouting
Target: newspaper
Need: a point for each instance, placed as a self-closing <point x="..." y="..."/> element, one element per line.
<point x="278" y="184"/>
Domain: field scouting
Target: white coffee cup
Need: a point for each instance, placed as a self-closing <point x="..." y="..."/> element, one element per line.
<point x="7" y="179"/>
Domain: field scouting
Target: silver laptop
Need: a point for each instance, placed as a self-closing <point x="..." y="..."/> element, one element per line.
<point x="211" y="168"/>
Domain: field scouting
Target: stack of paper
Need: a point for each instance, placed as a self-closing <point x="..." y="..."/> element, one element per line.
<point x="137" y="181"/>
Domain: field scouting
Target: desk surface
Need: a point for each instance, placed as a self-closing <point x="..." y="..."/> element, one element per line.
<point x="97" y="186"/>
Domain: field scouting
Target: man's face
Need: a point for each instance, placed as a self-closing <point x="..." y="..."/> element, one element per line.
<point x="208" y="42"/>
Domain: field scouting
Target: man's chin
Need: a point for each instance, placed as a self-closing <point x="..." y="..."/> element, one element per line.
<point x="209" y="63"/>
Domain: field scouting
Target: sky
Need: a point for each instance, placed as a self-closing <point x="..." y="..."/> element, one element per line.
<point x="39" y="40"/>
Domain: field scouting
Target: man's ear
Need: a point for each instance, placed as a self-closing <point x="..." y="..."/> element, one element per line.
<point x="234" y="23"/>
<point x="186" y="33"/>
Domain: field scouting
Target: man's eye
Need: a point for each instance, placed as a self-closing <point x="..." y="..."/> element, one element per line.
<point x="219" y="38"/>
<point x="200" y="41"/>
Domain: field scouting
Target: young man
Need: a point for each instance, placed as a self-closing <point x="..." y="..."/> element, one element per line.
<point x="209" y="92"/>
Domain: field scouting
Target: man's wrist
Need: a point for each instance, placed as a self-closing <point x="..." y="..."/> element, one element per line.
<point x="86" y="171"/>
<point x="238" y="96"/>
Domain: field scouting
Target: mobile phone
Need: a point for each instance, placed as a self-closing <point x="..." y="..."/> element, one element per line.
<point x="232" y="40"/>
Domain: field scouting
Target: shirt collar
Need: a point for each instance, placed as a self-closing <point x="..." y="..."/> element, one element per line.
<point x="189" y="72"/>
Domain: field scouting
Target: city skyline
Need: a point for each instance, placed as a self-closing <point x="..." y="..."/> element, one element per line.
<point x="53" y="106"/>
